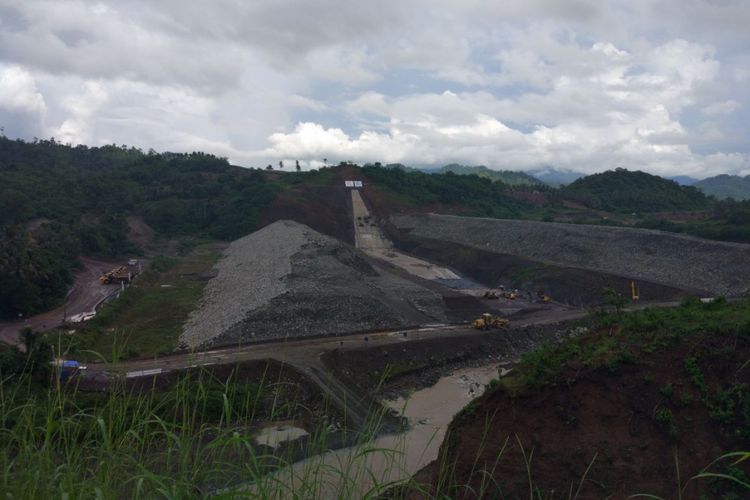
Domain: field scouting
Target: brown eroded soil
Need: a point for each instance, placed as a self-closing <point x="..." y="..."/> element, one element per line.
<point x="608" y="421"/>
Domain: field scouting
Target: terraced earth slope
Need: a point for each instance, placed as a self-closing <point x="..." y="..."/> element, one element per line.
<point x="676" y="260"/>
<point x="288" y="280"/>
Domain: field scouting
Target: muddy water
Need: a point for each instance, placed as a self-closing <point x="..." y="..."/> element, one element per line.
<point x="351" y="472"/>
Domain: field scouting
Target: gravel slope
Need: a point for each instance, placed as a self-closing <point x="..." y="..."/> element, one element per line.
<point x="289" y="280"/>
<point x="677" y="260"/>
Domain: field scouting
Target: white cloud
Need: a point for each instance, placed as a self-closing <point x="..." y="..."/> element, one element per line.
<point x="76" y="128"/>
<point x="582" y="84"/>
<point x="299" y="101"/>
<point x="22" y="106"/>
<point x="722" y="108"/>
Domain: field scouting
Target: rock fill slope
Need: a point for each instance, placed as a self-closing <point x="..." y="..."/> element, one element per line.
<point x="287" y="280"/>
<point x="680" y="261"/>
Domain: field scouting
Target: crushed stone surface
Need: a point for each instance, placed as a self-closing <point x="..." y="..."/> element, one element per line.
<point x="287" y="280"/>
<point x="687" y="262"/>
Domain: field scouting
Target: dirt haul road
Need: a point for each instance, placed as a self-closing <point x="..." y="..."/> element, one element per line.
<point x="304" y="355"/>
<point x="370" y="239"/>
<point x="85" y="295"/>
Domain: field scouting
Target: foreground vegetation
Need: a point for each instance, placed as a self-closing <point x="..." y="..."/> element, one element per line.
<point x="193" y="434"/>
<point x="651" y="402"/>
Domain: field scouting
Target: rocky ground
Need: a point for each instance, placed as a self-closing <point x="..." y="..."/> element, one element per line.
<point x="681" y="261"/>
<point x="287" y="280"/>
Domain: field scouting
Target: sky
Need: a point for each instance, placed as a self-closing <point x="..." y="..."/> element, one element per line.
<point x="583" y="85"/>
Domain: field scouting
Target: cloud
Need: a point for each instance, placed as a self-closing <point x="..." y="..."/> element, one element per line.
<point x="75" y="129"/>
<point x="22" y="106"/>
<point x="722" y="108"/>
<point x="583" y="84"/>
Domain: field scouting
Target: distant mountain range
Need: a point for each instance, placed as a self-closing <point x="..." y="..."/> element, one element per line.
<point x="683" y="180"/>
<point x="726" y="186"/>
<point x="720" y="186"/>
<point x="508" y="177"/>
<point x="556" y="177"/>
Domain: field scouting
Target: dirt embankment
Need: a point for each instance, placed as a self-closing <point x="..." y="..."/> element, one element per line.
<point x="397" y="369"/>
<point x="326" y="209"/>
<point x="567" y="285"/>
<point x="653" y="256"/>
<point x="631" y="427"/>
<point x="288" y="392"/>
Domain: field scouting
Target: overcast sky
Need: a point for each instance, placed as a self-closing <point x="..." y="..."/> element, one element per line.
<point x="587" y="85"/>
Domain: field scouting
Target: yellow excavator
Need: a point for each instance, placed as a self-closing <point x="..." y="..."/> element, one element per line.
<point x="487" y="321"/>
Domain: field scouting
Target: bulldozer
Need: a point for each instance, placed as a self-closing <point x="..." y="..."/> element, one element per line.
<point x="491" y="294"/>
<point x="487" y="321"/>
<point x="542" y="298"/>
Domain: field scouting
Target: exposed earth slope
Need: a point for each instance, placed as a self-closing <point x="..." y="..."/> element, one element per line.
<point x="641" y="404"/>
<point x="287" y="280"/>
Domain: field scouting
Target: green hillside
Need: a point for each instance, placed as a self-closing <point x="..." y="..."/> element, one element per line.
<point x="508" y="177"/>
<point x="726" y="186"/>
<point x="621" y="190"/>
<point x="83" y="195"/>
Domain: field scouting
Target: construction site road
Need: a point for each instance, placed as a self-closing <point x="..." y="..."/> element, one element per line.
<point x="84" y="297"/>
<point x="370" y="239"/>
<point x="304" y="352"/>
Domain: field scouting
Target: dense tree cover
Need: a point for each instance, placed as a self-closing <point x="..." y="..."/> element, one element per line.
<point x="729" y="221"/>
<point x="479" y="196"/>
<point x="508" y="177"/>
<point x="35" y="360"/>
<point x="59" y="201"/>
<point x="621" y="190"/>
<point x="35" y="273"/>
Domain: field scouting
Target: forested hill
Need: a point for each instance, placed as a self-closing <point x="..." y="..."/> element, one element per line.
<point x="176" y="193"/>
<point x="726" y="186"/>
<point x="508" y="177"/>
<point x="84" y="195"/>
<point x="58" y="202"/>
<point x="621" y="190"/>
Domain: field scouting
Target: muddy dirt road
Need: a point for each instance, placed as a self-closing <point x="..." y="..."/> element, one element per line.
<point x="85" y="295"/>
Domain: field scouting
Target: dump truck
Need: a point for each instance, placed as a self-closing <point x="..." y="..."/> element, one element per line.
<point x="487" y="321"/>
<point x="116" y="275"/>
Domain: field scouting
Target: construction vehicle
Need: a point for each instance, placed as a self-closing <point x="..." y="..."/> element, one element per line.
<point x="68" y="368"/>
<point x="511" y="295"/>
<point x="487" y="321"/>
<point x="542" y="297"/>
<point x="634" y="292"/>
<point x="491" y="294"/>
<point x="117" y="275"/>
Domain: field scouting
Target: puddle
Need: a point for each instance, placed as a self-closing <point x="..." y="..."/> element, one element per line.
<point x="278" y="433"/>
